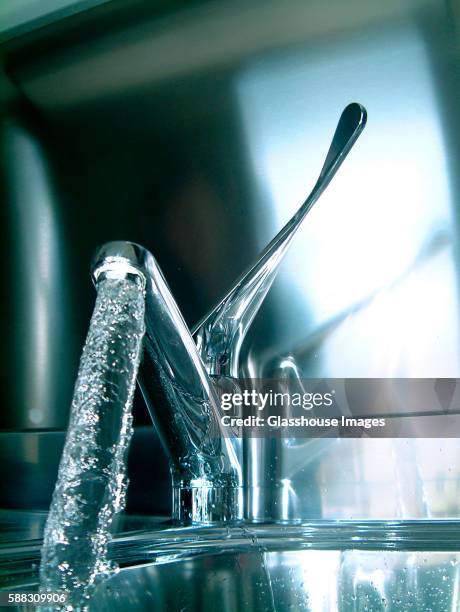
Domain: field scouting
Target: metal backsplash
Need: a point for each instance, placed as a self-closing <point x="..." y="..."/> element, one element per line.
<point x="181" y="127"/>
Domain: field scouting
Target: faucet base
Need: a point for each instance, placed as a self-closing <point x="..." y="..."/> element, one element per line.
<point x="207" y="504"/>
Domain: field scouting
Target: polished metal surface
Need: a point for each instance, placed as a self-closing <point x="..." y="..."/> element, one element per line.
<point x="308" y="580"/>
<point x="25" y="15"/>
<point x="295" y="569"/>
<point x="338" y="565"/>
<point x="342" y="479"/>
<point x="31" y="461"/>
<point x="37" y="291"/>
<point x="206" y="466"/>
<point x="221" y="332"/>
<point x="194" y="130"/>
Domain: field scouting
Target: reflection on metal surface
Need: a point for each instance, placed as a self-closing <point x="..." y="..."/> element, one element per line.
<point x="174" y="567"/>
<point x="205" y="465"/>
<point x="221" y="332"/>
<point x="22" y="15"/>
<point x="340" y="479"/>
<point x="395" y="195"/>
<point x="184" y="407"/>
<point x="438" y="250"/>
<point x="190" y="40"/>
<point x="270" y="572"/>
<point x="39" y="346"/>
<point x="33" y="458"/>
<point x="184" y="131"/>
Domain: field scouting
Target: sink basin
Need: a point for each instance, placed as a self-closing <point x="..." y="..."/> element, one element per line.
<point x="319" y="567"/>
<point x="316" y="580"/>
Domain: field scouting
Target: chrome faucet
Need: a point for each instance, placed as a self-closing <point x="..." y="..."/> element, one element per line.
<point x="182" y="371"/>
<point x="181" y="398"/>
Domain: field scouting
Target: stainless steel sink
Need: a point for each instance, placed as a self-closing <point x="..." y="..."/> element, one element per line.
<point x="288" y="580"/>
<point x="322" y="566"/>
<point x="328" y="567"/>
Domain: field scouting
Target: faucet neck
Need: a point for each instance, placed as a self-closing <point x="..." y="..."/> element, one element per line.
<point x="205" y="465"/>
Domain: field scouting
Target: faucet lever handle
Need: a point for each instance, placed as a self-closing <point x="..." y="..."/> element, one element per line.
<point x="220" y="333"/>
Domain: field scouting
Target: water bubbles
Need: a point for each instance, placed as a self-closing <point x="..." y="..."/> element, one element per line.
<point x="91" y="485"/>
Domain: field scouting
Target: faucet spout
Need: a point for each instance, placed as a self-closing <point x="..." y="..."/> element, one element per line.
<point x="184" y="405"/>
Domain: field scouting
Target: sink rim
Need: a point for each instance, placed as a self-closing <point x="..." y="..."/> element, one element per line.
<point x="166" y="543"/>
